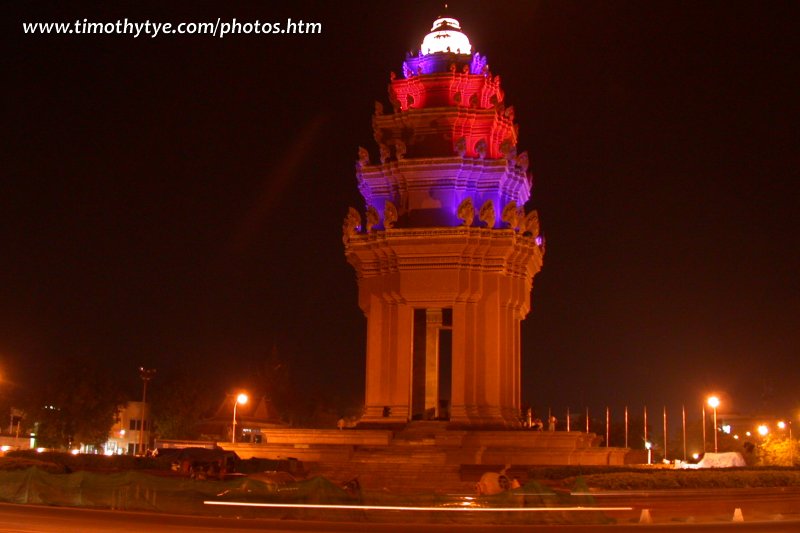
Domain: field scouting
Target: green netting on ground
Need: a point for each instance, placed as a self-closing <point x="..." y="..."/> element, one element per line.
<point x="139" y="491"/>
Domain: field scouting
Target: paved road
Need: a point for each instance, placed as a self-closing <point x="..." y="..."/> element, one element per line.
<point x="719" y="505"/>
<point x="706" y="511"/>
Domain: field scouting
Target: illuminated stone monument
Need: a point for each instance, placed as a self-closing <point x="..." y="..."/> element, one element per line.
<point x="445" y="255"/>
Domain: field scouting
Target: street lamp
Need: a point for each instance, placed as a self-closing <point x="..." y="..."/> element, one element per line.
<point x="713" y="402"/>
<point x="146" y="374"/>
<point x="241" y="399"/>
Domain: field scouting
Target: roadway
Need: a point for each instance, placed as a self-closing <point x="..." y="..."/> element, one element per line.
<point x="706" y="511"/>
<point x="716" y="505"/>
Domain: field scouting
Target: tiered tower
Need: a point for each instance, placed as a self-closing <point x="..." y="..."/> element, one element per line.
<point x="446" y="258"/>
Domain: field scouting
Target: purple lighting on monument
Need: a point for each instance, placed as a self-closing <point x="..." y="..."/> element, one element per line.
<point x="479" y="63"/>
<point x="441" y="62"/>
<point x="472" y="155"/>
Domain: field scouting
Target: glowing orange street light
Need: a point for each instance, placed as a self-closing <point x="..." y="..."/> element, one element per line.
<point x="763" y="430"/>
<point x="241" y="399"/>
<point x="713" y="402"/>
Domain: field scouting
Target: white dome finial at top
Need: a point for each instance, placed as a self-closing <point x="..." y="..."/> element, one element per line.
<point x="446" y="36"/>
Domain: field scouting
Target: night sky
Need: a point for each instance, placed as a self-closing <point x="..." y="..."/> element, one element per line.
<point x="176" y="202"/>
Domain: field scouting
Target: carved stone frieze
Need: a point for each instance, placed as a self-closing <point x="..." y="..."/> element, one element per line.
<point x="418" y="129"/>
<point x="373" y="218"/>
<point x="385" y="153"/>
<point x="531" y="224"/>
<point x="466" y="212"/>
<point x="461" y="147"/>
<point x="487" y="214"/>
<point x="394" y="100"/>
<point x="508" y="148"/>
<point x="470" y="249"/>
<point x="389" y="215"/>
<point x="351" y="225"/>
<point x="409" y="182"/>
<point x="400" y="149"/>
<point x="363" y="156"/>
<point x="481" y="148"/>
<point x="509" y="215"/>
<point x="522" y="161"/>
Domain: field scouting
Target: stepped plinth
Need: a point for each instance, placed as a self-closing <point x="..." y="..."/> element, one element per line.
<point x="412" y="454"/>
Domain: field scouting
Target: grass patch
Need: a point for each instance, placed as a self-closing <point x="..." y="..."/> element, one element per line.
<point x="690" y="479"/>
<point x="8" y="464"/>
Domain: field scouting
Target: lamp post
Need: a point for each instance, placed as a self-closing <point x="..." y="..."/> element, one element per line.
<point x="705" y="441"/>
<point x="241" y="399"/>
<point x="146" y="374"/>
<point x="713" y="402"/>
<point x="683" y="411"/>
<point x="626" y="426"/>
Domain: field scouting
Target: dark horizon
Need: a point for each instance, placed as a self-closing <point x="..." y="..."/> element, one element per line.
<point x="177" y="203"/>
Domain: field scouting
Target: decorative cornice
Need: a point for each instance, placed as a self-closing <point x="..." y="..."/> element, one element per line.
<point x="384" y="252"/>
<point x="419" y="128"/>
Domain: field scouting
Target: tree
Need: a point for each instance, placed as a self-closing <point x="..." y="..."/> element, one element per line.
<point x="78" y="406"/>
<point x="271" y="374"/>
<point x="179" y="403"/>
<point x="776" y="450"/>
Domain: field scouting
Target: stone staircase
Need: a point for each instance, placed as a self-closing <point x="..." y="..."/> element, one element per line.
<point x="411" y="462"/>
<point x="398" y="478"/>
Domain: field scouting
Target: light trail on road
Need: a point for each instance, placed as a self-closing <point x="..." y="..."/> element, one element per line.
<point x="404" y="508"/>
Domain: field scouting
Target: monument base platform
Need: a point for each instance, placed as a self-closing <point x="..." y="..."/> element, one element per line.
<point x="427" y="453"/>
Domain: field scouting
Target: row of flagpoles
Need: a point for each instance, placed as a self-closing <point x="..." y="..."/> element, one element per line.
<point x="646" y="441"/>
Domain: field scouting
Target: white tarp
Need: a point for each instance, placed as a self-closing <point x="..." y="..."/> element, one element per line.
<point x="721" y="460"/>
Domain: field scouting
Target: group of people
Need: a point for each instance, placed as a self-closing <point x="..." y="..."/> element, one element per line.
<point x="537" y="424"/>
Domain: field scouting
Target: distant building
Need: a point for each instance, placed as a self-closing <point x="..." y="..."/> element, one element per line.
<point x="130" y="433"/>
<point x="16" y="438"/>
<point x="745" y="426"/>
